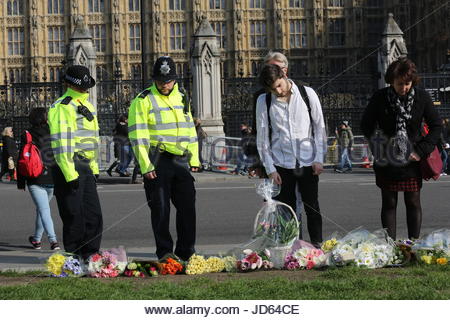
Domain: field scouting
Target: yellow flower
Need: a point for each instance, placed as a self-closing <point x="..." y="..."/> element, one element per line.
<point x="196" y="265"/>
<point x="214" y="264"/>
<point x="427" y="259"/>
<point x="55" y="263"/>
<point x="442" y="261"/>
<point x="329" y="245"/>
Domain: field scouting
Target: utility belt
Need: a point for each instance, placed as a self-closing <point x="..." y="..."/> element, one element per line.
<point x="80" y="157"/>
<point x="157" y="152"/>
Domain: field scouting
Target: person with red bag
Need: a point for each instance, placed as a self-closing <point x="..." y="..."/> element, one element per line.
<point x="392" y="123"/>
<point x="40" y="187"/>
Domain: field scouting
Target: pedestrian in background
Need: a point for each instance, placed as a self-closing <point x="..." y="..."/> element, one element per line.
<point x="201" y="135"/>
<point x="164" y="140"/>
<point x="345" y="137"/>
<point x="392" y="122"/>
<point x="246" y="134"/>
<point x="126" y="154"/>
<point x="9" y="154"/>
<point x="116" y="148"/>
<point x="75" y="141"/>
<point x="41" y="187"/>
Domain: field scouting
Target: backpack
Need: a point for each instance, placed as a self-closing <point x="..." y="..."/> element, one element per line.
<point x="30" y="163"/>
<point x="249" y="148"/>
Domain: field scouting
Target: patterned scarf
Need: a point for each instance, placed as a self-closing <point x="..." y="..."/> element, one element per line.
<point x="402" y="108"/>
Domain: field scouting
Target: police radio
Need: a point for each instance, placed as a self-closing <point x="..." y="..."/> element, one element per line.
<point x="85" y="112"/>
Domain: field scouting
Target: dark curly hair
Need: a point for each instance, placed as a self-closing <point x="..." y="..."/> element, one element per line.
<point x="269" y="74"/>
<point x="402" y="68"/>
<point x="38" y="117"/>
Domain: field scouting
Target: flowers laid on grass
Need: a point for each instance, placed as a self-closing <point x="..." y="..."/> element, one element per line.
<point x="254" y="261"/>
<point x="196" y="265"/>
<point x="433" y="256"/>
<point x="305" y="256"/>
<point x="107" y="264"/>
<point x="215" y="264"/>
<point x="134" y="270"/>
<point x="230" y="263"/>
<point x="171" y="266"/>
<point x="433" y="248"/>
<point x="64" y="265"/>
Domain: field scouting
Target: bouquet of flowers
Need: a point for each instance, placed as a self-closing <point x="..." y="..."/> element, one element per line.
<point x="107" y="264"/>
<point x="305" y="256"/>
<point x="141" y="269"/>
<point x="253" y="261"/>
<point x="64" y="265"/>
<point x="171" y="266"/>
<point x="364" y="249"/>
<point x="402" y="253"/>
<point x="433" y="248"/>
<point x="276" y="222"/>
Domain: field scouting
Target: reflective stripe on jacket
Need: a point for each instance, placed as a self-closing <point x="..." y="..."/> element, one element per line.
<point x="155" y="119"/>
<point x="71" y="133"/>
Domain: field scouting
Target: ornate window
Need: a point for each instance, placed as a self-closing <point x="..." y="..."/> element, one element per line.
<point x="16" y="75"/>
<point x="14" y="8"/>
<point x="257" y="4"/>
<point x="297" y="33"/>
<point x="56" y="44"/>
<point x="98" y="33"/>
<point x="16" y="42"/>
<point x="216" y="4"/>
<point x="177" y="36"/>
<point x="335" y="3"/>
<point x="182" y="69"/>
<point x="134" y="5"/>
<point x="256" y="67"/>
<point x="177" y="4"/>
<point x="336" y="32"/>
<point x="55" y="74"/>
<point x="297" y="3"/>
<point x="136" y="71"/>
<point x="258" y="36"/>
<point x="220" y="28"/>
<point x="101" y="74"/>
<point x="96" y="5"/>
<point x="55" y="6"/>
<point x="135" y="37"/>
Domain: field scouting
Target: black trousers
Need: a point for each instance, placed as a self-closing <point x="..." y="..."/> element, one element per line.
<point x="173" y="183"/>
<point x="308" y="187"/>
<point x="80" y="211"/>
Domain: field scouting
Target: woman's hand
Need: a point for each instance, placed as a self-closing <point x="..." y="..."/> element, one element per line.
<point x="414" y="157"/>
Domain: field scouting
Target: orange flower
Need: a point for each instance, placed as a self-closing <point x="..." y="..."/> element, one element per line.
<point x="441" y="261"/>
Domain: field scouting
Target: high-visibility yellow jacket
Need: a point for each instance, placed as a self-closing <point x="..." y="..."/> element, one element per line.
<point x="158" y="120"/>
<point x="71" y="132"/>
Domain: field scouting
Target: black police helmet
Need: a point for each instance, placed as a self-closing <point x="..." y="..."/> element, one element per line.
<point x="79" y="76"/>
<point x="164" y="69"/>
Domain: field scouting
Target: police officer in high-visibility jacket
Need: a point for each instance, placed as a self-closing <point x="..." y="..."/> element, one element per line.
<point x="75" y="138"/>
<point x="164" y="141"/>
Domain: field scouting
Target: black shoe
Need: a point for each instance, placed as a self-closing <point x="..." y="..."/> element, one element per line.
<point x="54" y="246"/>
<point x="109" y="172"/>
<point x="36" y="244"/>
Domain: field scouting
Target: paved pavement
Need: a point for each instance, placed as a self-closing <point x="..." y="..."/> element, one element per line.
<point x="226" y="208"/>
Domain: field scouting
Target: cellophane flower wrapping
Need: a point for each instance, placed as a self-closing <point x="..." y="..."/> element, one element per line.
<point x="363" y="249"/>
<point x="107" y="264"/>
<point x="64" y="265"/>
<point x="433" y="248"/>
<point x="275" y="228"/>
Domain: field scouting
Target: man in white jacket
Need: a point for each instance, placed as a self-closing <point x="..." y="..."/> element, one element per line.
<point x="291" y="143"/>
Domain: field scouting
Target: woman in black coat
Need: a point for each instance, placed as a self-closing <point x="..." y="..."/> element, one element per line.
<point x="9" y="150"/>
<point x="392" y="123"/>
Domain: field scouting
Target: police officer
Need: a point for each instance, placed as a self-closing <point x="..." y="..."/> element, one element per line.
<point x="75" y="137"/>
<point x="164" y="141"/>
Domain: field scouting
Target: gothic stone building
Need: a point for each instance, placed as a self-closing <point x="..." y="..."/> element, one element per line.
<point x="320" y="37"/>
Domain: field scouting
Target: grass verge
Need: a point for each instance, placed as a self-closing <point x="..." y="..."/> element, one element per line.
<point x="417" y="282"/>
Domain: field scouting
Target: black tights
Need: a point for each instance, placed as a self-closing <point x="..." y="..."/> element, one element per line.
<point x="413" y="213"/>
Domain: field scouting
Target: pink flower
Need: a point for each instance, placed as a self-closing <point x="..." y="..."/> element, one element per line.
<point x="96" y="257"/>
<point x="310" y="264"/>
<point x="316" y="252"/>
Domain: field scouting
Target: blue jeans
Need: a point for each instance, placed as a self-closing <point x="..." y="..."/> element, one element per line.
<point x="345" y="159"/>
<point x="41" y="195"/>
<point x="126" y="155"/>
<point x="444" y="157"/>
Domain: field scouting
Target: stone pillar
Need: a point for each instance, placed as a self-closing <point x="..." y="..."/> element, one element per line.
<point x="82" y="52"/>
<point x="392" y="47"/>
<point x="207" y="93"/>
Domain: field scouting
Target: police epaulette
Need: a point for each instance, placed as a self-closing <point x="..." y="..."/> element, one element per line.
<point x="66" y="100"/>
<point x="144" y="93"/>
